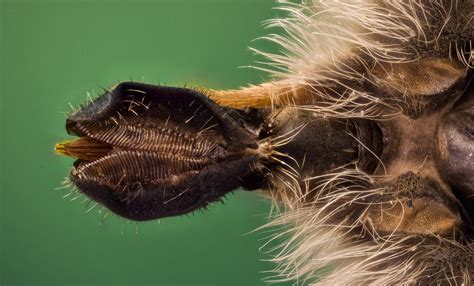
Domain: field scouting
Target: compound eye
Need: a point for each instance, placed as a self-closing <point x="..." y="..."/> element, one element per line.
<point x="457" y="149"/>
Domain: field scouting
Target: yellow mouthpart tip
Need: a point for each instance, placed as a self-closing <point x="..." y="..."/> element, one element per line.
<point x="61" y="147"/>
<point x="83" y="148"/>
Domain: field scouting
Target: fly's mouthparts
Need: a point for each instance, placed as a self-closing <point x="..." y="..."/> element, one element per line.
<point x="84" y="148"/>
<point x="147" y="151"/>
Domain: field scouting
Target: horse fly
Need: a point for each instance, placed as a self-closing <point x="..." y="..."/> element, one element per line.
<point x="364" y="142"/>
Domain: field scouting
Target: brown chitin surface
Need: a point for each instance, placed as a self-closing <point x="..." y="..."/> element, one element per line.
<point x="457" y="149"/>
<point x="141" y="153"/>
<point x="147" y="151"/>
<point x="417" y="197"/>
<point x="150" y="138"/>
<point x="426" y="203"/>
<point x="367" y="141"/>
<point x="132" y="148"/>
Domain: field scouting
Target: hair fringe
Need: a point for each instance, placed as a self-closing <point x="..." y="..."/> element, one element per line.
<point x="336" y="43"/>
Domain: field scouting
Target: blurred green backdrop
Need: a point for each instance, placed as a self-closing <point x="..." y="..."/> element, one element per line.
<point x="53" y="53"/>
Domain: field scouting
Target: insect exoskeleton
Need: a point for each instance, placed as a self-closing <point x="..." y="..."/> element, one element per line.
<point x="365" y="142"/>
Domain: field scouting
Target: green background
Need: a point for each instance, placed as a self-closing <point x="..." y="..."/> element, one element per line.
<point x="53" y="53"/>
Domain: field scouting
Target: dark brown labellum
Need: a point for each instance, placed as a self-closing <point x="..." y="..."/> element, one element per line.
<point x="148" y="151"/>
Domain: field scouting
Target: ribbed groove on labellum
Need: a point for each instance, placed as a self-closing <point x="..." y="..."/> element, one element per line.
<point x="125" y="167"/>
<point x="159" y="139"/>
<point x="147" y="151"/>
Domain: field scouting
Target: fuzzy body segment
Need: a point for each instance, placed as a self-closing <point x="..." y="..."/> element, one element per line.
<point x="365" y="144"/>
